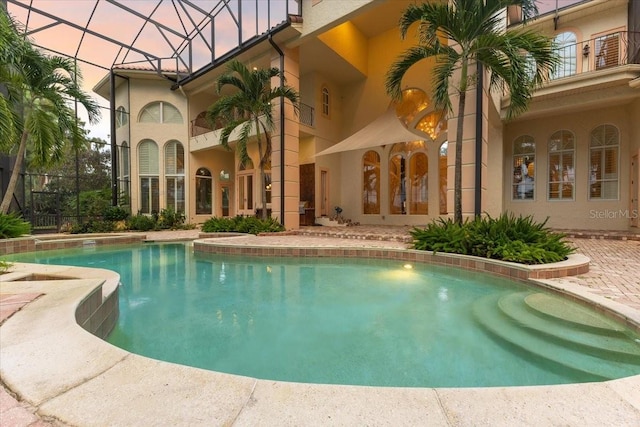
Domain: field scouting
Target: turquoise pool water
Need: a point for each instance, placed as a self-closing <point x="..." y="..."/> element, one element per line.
<point x="364" y="322"/>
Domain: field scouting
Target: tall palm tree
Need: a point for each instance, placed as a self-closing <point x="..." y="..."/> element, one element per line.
<point x="35" y="109"/>
<point x="250" y="108"/>
<point x="517" y="60"/>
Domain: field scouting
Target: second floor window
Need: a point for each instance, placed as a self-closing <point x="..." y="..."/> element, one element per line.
<point x="160" y="112"/>
<point x="325" y="101"/>
<point x="122" y="117"/>
<point x="566" y="47"/>
<point x="607" y="51"/>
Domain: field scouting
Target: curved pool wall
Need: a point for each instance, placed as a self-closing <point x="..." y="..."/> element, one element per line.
<point x="51" y="363"/>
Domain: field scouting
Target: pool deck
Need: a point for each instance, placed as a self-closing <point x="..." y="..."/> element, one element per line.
<point x="54" y="373"/>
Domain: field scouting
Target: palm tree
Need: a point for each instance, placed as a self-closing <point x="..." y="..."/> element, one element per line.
<point x="250" y="108"/>
<point x="35" y="109"/>
<point x="517" y="60"/>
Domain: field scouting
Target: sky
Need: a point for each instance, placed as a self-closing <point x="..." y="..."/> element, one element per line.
<point x="129" y="28"/>
<point x="140" y="30"/>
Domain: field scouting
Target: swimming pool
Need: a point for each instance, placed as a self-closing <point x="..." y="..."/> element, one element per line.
<point x="351" y="322"/>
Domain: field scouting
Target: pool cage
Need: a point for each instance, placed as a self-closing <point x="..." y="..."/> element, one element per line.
<point x="59" y="199"/>
<point x="178" y="39"/>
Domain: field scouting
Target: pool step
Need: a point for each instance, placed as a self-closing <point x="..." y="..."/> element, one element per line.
<point x="567" y="311"/>
<point x="556" y="340"/>
<point x="567" y="331"/>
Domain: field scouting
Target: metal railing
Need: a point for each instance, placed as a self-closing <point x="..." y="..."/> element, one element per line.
<point x="606" y="51"/>
<point x="201" y="126"/>
<point x="307" y="114"/>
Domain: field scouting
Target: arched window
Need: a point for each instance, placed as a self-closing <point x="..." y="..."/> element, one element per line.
<point x="442" y="176"/>
<point x="566" y="45"/>
<point x="325" y="102"/>
<point x="122" y="117"/>
<point x="524" y="156"/>
<point x="204" y="192"/>
<point x="603" y="160"/>
<point x="149" y="180"/>
<point x="371" y="183"/>
<point x="124" y="171"/>
<point x="562" y="172"/>
<point x="124" y="160"/>
<point x="174" y="175"/>
<point x="400" y="171"/>
<point x="160" y="112"/>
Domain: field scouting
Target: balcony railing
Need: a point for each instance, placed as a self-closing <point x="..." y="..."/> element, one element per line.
<point x="200" y="125"/>
<point x="307" y="114"/>
<point x="606" y="51"/>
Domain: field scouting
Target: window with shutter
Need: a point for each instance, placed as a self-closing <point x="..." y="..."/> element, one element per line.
<point x="174" y="174"/>
<point x="160" y="112"/>
<point x="607" y="51"/>
<point x="149" y="181"/>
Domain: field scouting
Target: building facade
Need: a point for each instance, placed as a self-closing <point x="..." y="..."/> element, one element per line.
<point x="572" y="157"/>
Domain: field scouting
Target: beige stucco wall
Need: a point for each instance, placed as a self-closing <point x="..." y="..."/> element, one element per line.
<point x="580" y="213"/>
<point x="144" y="91"/>
<point x="215" y="161"/>
<point x="317" y="15"/>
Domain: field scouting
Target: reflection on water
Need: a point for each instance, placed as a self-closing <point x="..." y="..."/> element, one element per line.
<point x="369" y="322"/>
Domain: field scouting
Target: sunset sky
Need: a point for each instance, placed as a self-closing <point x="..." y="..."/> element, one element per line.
<point x="177" y="23"/>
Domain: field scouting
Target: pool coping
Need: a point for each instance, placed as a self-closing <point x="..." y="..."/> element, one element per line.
<point x="72" y="376"/>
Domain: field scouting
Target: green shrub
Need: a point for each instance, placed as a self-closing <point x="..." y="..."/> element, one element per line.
<point x="169" y="219"/>
<point x="241" y="224"/>
<point x="115" y="213"/>
<point x="94" y="226"/>
<point x="11" y="226"/>
<point x="507" y="238"/>
<point x="141" y="222"/>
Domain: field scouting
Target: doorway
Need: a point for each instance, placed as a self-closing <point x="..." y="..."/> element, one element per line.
<point x="324" y="192"/>
<point x="225" y="195"/>
<point x="245" y="193"/>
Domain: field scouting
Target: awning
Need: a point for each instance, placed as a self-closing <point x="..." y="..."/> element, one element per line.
<point x="386" y="129"/>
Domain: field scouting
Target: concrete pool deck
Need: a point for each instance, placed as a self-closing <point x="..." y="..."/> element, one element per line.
<point x="62" y="375"/>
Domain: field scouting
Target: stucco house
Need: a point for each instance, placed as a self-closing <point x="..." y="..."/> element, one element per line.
<point x="572" y="157"/>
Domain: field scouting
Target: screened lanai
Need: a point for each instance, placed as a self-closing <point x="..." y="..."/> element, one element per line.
<point x="178" y="39"/>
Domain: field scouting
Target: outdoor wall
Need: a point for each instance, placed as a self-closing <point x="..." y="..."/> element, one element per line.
<point x="215" y="161"/>
<point x="580" y="213"/>
<point x="364" y="101"/>
<point x="144" y="91"/>
<point x="318" y="14"/>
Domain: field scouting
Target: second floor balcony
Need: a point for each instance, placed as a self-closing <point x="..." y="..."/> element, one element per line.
<point x="203" y="135"/>
<point x="591" y="72"/>
<point x="606" y="51"/>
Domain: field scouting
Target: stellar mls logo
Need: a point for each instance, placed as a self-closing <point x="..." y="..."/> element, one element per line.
<point x="614" y="214"/>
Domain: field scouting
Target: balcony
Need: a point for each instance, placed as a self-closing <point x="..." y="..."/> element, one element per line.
<point x="591" y="73"/>
<point x="203" y="135"/>
<point x="607" y="51"/>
